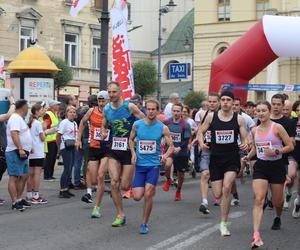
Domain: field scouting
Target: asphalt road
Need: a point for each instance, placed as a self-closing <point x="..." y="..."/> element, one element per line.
<point x="66" y="224"/>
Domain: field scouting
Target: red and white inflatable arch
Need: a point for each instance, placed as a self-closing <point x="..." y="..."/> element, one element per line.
<point x="268" y="39"/>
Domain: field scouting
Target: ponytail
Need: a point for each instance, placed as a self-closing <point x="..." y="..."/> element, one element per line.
<point x="35" y="108"/>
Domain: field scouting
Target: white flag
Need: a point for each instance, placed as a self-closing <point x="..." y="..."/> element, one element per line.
<point x="77" y="6"/>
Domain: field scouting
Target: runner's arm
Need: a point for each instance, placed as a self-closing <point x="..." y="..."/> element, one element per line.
<point x="203" y="129"/>
<point x="168" y="141"/>
<point x="287" y="140"/>
<point x="253" y="148"/>
<point x="83" y="121"/>
<point x="132" y="140"/>
<point x="243" y="133"/>
<point x="135" y="111"/>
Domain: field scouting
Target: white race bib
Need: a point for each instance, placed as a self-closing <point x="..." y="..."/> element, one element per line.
<point x="98" y="136"/>
<point x="224" y="136"/>
<point x="208" y="136"/>
<point x="297" y="137"/>
<point x="119" y="143"/>
<point x="261" y="146"/>
<point x="176" y="137"/>
<point x="147" y="147"/>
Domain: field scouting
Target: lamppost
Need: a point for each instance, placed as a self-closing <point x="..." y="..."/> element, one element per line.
<point x="189" y="44"/>
<point x="162" y="10"/>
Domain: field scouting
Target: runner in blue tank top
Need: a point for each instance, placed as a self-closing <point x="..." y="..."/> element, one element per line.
<point x="146" y="155"/>
<point x="119" y="116"/>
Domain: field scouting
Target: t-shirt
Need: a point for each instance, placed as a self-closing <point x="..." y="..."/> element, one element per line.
<point x="38" y="145"/>
<point x="192" y="123"/>
<point x="198" y="117"/>
<point x="17" y="123"/>
<point x="168" y="110"/>
<point x="68" y="130"/>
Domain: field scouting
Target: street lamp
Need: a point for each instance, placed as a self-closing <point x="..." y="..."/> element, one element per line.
<point x="162" y="10"/>
<point x="189" y="44"/>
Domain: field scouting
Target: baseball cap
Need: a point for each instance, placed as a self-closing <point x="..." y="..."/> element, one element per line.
<point x="102" y="93"/>
<point x="53" y="102"/>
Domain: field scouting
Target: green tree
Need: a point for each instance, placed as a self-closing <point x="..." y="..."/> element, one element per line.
<point x="194" y="98"/>
<point x="145" y="77"/>
<point x="62" y="77"/>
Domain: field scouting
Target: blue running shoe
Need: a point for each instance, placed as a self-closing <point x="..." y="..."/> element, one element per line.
<point x="144" y="229"/>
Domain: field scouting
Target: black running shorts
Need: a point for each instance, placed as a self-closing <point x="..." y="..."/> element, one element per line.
<point x="180" y="163"/>
<point x="124" y="157"/>
<point x="272" y="171"/>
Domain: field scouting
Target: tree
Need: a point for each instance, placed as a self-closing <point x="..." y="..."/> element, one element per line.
<point x="194" y="98"/>
<point x="145" y="77"/>
<point x="61" y="78"/>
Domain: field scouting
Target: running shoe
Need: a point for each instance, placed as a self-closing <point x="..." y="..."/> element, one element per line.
<point x="144" y="229"/>
<point x="167" y="185"/>
<point x="276" y="224"/>
<point x="224" y="230"/>
<point x="296" y="210"/>
<point x="178" y="196"/>
<point x="2" y="201"/>
<point x="287" y="200"/>
<point x="39" y="200"/>
<point x="204" y="209"/>
<point x="87" y="198"/>
<point x="18" y="206"/>
<point x="64" y="195"/>
<point x="96" y="213"/>
<point x="25" y="203"/>
<point x="257" y="242"/>
<point x="119" y="221"/>
<point x="235" y="202"/>
<point x="128" y="194"/>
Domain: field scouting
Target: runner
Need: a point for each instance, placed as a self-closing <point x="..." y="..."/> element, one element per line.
<point x="296" y="154"/>
<point x="119" y="116"/>
<point x="181" y="134"/>
<point x="148" y="134"/>
<point x="213" y="106"/>
<point x="225" y="126"/>
<point x="269" y="168"/>
<point x="97" y="160"/>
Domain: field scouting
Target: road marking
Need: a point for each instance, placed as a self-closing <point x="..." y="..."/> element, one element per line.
<point x="193" y="239"/>
<point x="178" y="237"/>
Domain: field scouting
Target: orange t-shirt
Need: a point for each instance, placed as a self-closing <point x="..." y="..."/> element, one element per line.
<point x="96" y="120"/>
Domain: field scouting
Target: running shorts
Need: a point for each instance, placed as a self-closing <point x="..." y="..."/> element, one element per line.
<point x="180" y="163"/>
<point x="204" y="160"/>
<point x="144" y="175"/>
<point x="16" y="166"/>
<point x="272" y="171"/>
<point x="96" y="154"/>
<point x="124" y="157"/>
<point x="36" y="162"/>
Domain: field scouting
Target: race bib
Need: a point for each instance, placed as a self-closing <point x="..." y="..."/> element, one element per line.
<point x="98" y="136"/>
<point x="147" y="147"/>
<point x="261" y="146"/>
<point x="297" y="137"/>
<point x="176" y="137"/>
<point x="224" y="136"/>
<point x="208" y="136"/>
<point x="119" y="143"/>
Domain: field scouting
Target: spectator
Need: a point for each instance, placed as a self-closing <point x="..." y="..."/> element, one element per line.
<point x="250" y="109"/>
<point x="174" y="99"/>
<point x="19" y="145"/>
<point x="137" y="100"/>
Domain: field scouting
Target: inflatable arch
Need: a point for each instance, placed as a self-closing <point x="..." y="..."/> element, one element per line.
<point x="268" y="39"/>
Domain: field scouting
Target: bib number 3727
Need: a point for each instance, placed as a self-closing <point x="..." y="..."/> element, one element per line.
<point x="119" y="144"/>
<point x="224" y="136"/>
<point x="147" y="147"/>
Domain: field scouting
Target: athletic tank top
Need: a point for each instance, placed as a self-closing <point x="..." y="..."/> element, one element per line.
<point x="148" y="139"/>
<point x="95" y="124"/>
<point x="120" y="121"/>
<point x="269" y="140"/>
<point x="207" y="136"/>
<point x="224" y="135"/>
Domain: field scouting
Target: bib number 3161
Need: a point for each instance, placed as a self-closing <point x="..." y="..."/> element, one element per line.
<point x="119" y="144"/>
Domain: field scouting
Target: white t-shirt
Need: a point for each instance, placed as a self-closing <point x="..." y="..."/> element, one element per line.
<point x="198" y="117"/>
<point x="249" y="124"/>
<point x="168" y="110"/>
<point x="17" y="123"/>
<point x="192" y="123"/>
<point x="68" y="131"/>
<point x="38" y="145"/>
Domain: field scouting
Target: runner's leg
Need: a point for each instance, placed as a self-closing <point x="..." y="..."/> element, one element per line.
<point x="229" y="178"/>
<point x="101" y="180"/>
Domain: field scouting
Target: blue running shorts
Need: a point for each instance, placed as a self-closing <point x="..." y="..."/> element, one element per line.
<point x="144" y="175"/>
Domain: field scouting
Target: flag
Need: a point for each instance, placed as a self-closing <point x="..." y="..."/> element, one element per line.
<point x="77" y="6"/>
<point x="121" y="64"/>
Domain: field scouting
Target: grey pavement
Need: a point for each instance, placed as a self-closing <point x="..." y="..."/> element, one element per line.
<point x="66" y="224"/>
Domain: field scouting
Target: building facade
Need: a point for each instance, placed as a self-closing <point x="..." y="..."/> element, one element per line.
<point x="219" y="23"/>
<point x="49" y="24"/>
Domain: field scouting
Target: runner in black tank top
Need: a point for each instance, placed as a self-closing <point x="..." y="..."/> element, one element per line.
<point x="225" y="125"/>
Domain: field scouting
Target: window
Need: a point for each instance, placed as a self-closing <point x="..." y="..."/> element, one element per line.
<point x="96" y="53"/>
<point x="261" y="7"/>
<point x="71" y="49"/>
<point x="25" y="37"/>
<point x="224" y="10"/>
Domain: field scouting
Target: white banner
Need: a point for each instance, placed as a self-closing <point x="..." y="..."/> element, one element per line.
<point x="77" y="6"/>
<point x="2" y="72"/>
<point x="121" y="64"/>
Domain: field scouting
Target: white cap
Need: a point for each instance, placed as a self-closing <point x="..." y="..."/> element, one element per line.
<point x="102" y="93"/>
<point x="53" y="102"/>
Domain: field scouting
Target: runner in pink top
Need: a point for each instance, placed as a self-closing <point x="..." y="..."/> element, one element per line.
<point x="269" y="138"/>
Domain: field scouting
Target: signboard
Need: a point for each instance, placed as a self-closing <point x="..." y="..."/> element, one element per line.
<point x="178" y="71"/>
<point x="261" y="87"/>
<point x="69" y="90"/>
<point x="38" y="89"/>
<point x="94" y="91"/>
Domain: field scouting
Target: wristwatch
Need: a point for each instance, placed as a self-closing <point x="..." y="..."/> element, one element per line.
<point x="277" y="152"/>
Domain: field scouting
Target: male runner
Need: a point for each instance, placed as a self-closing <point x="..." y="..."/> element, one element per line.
<point x="225" y="126"/>
<point x="213" y="106"/>
<point x="181" y="134"/>
<point x="119" y="118"/>
<point x="148" y="134"/>
<point x="97" y="158"/>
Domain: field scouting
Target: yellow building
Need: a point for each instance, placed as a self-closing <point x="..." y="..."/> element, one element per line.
<point x="49" y="24"/>
<point x="219" y="23"/>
